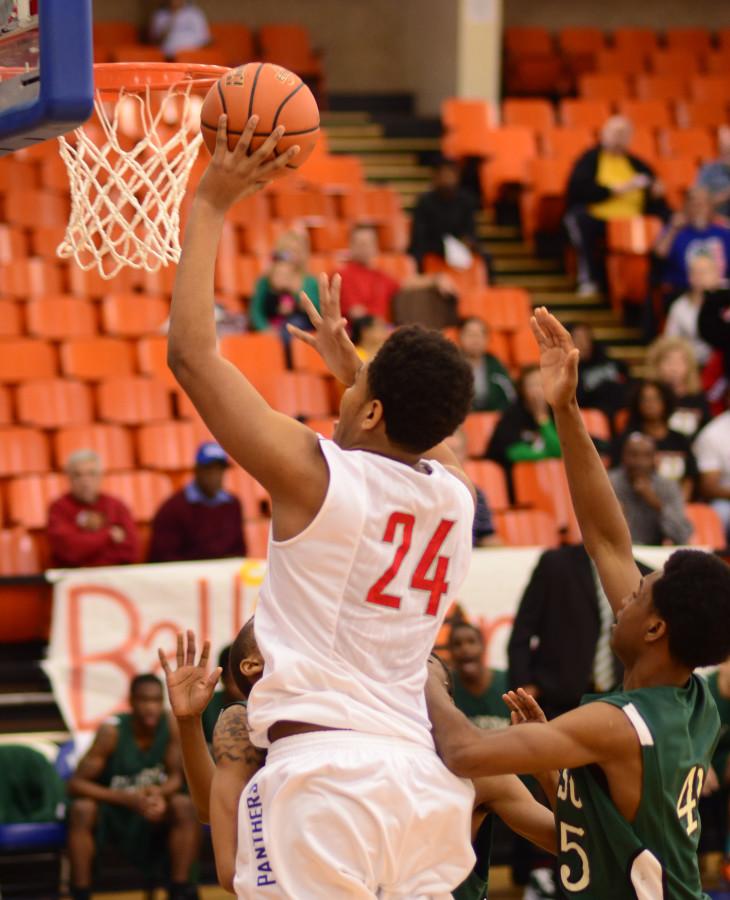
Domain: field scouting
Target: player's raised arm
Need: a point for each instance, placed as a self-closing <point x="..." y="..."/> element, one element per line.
<point x="605" y="532"/>
<point x="279" y="452"/>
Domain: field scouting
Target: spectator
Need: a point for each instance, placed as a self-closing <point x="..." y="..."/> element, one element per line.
<point x="713" y="461"/>
<point x="128" y="794"/>
<point x="715" y="176"/>
<point x="526" y="430"/>
<point x="671" y="360"/>
<point x="651" y="407"/>
<point x="560" y="644"/>
<point x="201" y="521"/>
<point x="179" y="25"/>
<point x="227" y="694"/>
<point x="713" y="324"/>
<point x="683" y="318"/>
<point x="444" y="211"/>
<point x="483" y="531"/>
<point x="601" y="380"/>
<point x="478" y="689"/>
<point x="369" y="333"/>
<point x="607" y="182"/>
<point x="275" y="301"/>
<point x="86" y="527"/>
<point x="653" y="505"/>
<point x="692" y="232"/>
<point x="493" y="388"/>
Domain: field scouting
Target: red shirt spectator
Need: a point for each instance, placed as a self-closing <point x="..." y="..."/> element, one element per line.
<point x="365" y="291"/>
<point x="86" y="527"/>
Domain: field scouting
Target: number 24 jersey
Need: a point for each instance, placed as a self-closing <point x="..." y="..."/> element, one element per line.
<point x="350" y="608"/>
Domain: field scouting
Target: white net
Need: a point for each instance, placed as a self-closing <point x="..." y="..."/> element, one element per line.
<point x="128" y="176"/>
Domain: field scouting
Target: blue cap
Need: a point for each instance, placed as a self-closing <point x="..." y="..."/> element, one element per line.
<point x="211" y="453"/>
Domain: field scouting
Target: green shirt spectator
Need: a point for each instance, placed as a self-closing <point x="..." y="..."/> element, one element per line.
<point x="493" y="388"/>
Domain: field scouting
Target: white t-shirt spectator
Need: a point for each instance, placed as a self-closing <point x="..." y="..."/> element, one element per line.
<point x="182" y="29"/>
<point x="682" y="322"/>
<point x="712" y="448"/>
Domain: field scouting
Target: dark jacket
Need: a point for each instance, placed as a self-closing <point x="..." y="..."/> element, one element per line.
<point x="713" y="323"/>
<point x="560" y="609"/>
<point x="437" y="215"/>
<point x="583" y="189"/>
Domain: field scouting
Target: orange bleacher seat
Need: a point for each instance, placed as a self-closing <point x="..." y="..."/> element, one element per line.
<point x="524" y="348"/>
<point x="133" y="315"/>
<point x="508" y="150"/>
<point x="629" y="242"/>
<point x="152" y="359"/>
<point x="661" y="87"/>
<point x="302" y="204"/>
<point x="60" y="317"/>
<point x="526" y="113"/>
<point x="543" y="485"/>
<point x="142" y="491"/>
<point x="579" y="40"/>
<point x="257" y="538"/>
<point x="710" y="88"/>
<point x="54" y="403"/>
<point x="111" y="442"/>
<point x="92" y="359"/>
<point x="13" y="244"/>
<point x="669" y="62"/>
<point x="609" y="86"/>
<point x="6" y="407"/>
<point x="238" y="275"/>
<point x="114" y="32"/>
<point x="696" y="144"/>
<point x="30" y="277"/>
<point x="526" y="41"/>
<point x="89" y="283"/>
<point x="399" y="266"/>
<point x="253" y="496"/>
<point x="333" y="174"/>
<point x="696" y="39"/>
<point x="718" y="61"/>
<point x="306" y="359"/>
<point x="16" y="175"/>
<point x="373" y="205"/>
<point x="327" y="237"/>
<point x="235" y="40"/>
<point x="11" y="320"/>
<point x="526" y="528"/>
<point x="542" y="204"/>
<point x="256" y="355"/>
<point x="464" y="279"/>
<point x="678" y="175"/>
<point x="567" y="141"/>
<point x="643" y="143"/>
<point x="701" y="114"/>
<point x="31" y="208"/>
<point x="26" y="358"/>
<point x="647" y="113"/>
<point x="596" y="423"/>
<point x="29" y="497"/>
<point x="298" y="394"/>
<point x="466" y="123"/>
<point x="133" y="400"/>
<point x="540" y="74"/>
<point x="18" y="553"/>
<point x="620" y="60"/>
<point x="503" y="308"/>
<point x="167" y="446"/>
<point x="723" y="39"/>
<point x="289" y="45"/>
<point x="251" y="210"/>
<point x="214" y="55"/>
<point x="324" y="426"/>
<point x="708" y="530"/>
<point x="478" y="428"/>
<point x="322" y="262"/>
<point x="22" y="451"/>
<point x="44" y="241"/>
<point x="490" y="477"/>
<point x="636" y="40"/>
<point x="134" y="52"/>
<point x="584" y="113"/>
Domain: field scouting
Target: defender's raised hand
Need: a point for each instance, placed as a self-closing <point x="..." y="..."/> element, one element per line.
<point x="558" y="358"/>
<point x="523" y="707"/>
<point x="329" y="338"/>
<point x="234" y="174"/>
<point x="189" y="686"/>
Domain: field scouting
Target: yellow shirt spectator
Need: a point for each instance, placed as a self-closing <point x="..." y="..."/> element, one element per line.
<point x="614" y="170"/>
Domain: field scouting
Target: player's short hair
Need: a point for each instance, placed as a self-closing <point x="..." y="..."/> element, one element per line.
<point x="224" y="657"/>
<point x="425" y="385"/>
<point x="462" y="623"/>
<point x="693" y="598"/>
<point x="139" y="680"/>
<point x="243" y="646"/>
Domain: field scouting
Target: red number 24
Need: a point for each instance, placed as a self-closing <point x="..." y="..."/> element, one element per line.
<point x="436" y="586"/>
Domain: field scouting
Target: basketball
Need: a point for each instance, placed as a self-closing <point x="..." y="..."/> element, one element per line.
<point x="276" y="95"/>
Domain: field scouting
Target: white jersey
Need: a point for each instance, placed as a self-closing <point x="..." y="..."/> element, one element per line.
<point x="351" y="607"/>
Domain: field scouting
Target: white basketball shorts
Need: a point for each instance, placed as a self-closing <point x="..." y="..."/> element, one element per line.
<point x="335" y="815"/>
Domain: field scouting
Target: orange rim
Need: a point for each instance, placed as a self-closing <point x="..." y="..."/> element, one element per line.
<point x="157" y="76"/>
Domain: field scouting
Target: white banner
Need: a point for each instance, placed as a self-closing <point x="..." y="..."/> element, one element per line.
<point x="108" y="622"/>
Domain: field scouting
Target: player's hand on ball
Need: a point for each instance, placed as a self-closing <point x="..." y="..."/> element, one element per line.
<point x="523" y="707"/>
<point x="234" y="174"/>
<point x="558" y="358"/>
<point x="189" y="686"/>
<point x="329" y="338"/>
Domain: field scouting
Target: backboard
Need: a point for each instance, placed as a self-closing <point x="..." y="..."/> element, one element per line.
<point x="46" y="70"/>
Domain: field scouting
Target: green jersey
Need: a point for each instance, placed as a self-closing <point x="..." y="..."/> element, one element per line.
<point x="475" y="886"/>
<point x="487" y="710"/>
<point x="722" y="754"/>
<point x="212" y="711"/>
<point x="601" y="855"/>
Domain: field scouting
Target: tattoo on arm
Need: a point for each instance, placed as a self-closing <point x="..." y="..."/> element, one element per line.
<point x="231" y="741"/>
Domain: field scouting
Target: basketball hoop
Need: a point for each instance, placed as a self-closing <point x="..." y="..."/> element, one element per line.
<point x="128" y="166"/>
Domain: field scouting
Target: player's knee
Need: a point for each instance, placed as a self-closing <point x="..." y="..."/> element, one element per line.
<point x="181" y="808"/>
<point x="82" y="814"/>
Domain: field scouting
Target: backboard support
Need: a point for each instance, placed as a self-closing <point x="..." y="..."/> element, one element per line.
<point x="46" y="70"/>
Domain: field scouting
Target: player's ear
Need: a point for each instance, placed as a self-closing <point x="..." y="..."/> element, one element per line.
<point x="252" y="666"/>
<point x="656" y="630"/>
<point x="373" y="415"/>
